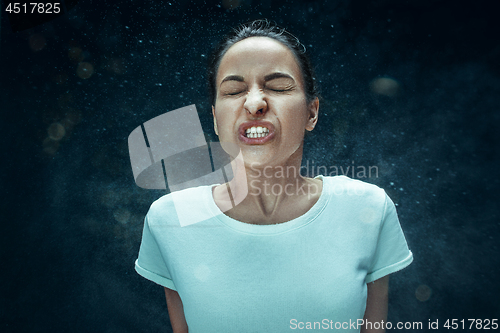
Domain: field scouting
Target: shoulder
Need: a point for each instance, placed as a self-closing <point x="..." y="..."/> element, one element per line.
<point x="360" y="201"/>
<point x="167" y="203"/>
<point x="342" y="186"/>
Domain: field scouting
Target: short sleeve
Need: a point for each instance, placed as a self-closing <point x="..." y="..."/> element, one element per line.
<point x="150" y="263"/>
<point x="392" y="253"/>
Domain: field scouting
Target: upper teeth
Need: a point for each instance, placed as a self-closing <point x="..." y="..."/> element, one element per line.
<point x="257" y="132"/>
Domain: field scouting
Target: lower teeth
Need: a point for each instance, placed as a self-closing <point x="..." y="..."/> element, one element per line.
<point x="255" y="136"/>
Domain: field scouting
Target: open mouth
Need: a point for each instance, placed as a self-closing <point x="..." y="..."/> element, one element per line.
<point x="256" y="132"/>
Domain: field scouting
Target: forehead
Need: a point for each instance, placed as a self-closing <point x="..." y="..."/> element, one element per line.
<point x="255" y="55"/>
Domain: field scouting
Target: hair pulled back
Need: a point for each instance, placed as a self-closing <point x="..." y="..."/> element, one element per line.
<point x="263" y="28"/>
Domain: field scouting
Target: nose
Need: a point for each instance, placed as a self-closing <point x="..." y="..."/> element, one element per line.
<point x="255" y="103"/>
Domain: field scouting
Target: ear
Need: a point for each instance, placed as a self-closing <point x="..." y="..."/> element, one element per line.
<point x="215" y="121"/>
<point x="313" y="109"/>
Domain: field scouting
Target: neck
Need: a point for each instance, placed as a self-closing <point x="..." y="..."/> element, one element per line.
<point x="266" y="188"/>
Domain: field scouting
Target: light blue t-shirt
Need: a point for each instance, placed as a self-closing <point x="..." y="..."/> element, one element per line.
<point x="239" y="277"/>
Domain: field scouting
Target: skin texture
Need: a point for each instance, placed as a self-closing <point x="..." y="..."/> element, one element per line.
<point x="175" y="311"/>
<point x="280" y="101"/>
<point x="376" y="304"/>
<point x="259" y="79"/>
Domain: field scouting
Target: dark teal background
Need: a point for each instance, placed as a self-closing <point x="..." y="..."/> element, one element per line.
<point x="72" y="214"/>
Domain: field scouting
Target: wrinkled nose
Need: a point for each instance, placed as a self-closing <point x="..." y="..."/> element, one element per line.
<point x="255" y="103"/>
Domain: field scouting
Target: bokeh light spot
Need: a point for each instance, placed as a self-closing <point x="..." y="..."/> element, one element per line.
<point x="71" y="118"/>
<point x="76" y="54"/>
<point x="230" y="4"/>
<point x="56" y="131"/>
<point x="423" y="293"/>
<point x="37" y="42"/>
<point x="122" y="215"/>
<point x="385" y="86"/>
<point x="50" y="146"/>
<point x="84" y="70"/>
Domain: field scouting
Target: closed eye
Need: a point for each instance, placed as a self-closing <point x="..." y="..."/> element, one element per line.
<point x="280" y="90"/>
<point x="234" y="93"/>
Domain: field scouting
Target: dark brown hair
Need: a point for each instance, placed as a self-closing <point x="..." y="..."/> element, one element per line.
<point x="263" y="28"/>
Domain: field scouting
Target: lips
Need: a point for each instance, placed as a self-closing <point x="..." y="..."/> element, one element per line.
<point x="256" y="132"/>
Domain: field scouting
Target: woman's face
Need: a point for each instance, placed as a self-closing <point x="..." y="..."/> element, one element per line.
<point x="260" y="89"/>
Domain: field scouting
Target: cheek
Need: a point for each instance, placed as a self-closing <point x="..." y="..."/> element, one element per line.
<point x="295" y="128"/>
<point x="223" y="122"/>
<point x="298" y="119"/>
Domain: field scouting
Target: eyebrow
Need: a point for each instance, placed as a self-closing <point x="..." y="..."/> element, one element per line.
<point x="269" y="77"/>
<point x="277" y="75"/>
<point x="233" y="78"/>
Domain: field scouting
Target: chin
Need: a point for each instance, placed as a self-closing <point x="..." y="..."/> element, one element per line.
<point x="253" y="161"/>
<point x="256" y="164"/>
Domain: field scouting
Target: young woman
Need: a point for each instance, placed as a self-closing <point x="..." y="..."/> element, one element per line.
<point x="296" y="252"/>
